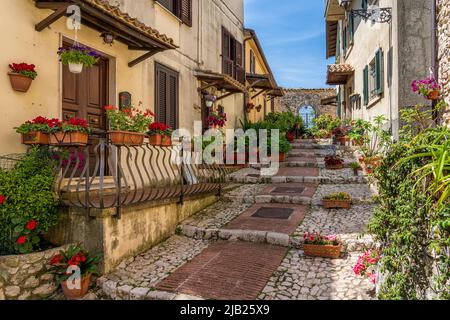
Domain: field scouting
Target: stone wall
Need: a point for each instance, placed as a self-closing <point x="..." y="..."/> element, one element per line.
<point x="443" y="18"/>
<point x="26" y="276"/>
<point x="294" y="99"/>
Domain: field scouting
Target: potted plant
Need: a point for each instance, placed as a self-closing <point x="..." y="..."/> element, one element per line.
<point x="37" y="130"/>
<point x="317" y="245"/>
<point x="340" y="135"/>
<point x="217" y="120"/>
<point x="339" y="200"/>
<point x="366" y="266"/>
<point x="78" y="56"/>
<point x="376" y="139"/>
<point x="258" y="108"/>
<point x="358" y="131"/>
<point x="334" y="163"/>
<point x="159" y="134"/>
<point x="21" y="76"/>
<point x="73" y="269"/>
<point x="128" y="126"/>
<point x="428" y="88"/>
<point x="73" y="132"/>
<point x="290" y="136"/>
<point x="249" y="107"/>
<point x="356" y="167"/>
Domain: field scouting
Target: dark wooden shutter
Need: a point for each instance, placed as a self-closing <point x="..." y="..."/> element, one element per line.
<point x="339" y="103"/>
<point x="239" y="61"/>
<point x="166" y="96"/>
<point x="351" y="28"/>
<point x="169" y="4"/>
<point x="344" y="41"/>
<point x="379" y="72"/>
<point x="366" y="85"/>
<point x="364" y="4"/>
<point x="186" y="11"/>
<point x="227" y="62"/>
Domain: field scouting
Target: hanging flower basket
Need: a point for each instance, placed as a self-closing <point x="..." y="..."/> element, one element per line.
<point x="77" y="57"/>
<point x="434" y="95"/>
<point x="76" y="67"/>
<point x="429" y="88"/>
<point x="21" y="76"/>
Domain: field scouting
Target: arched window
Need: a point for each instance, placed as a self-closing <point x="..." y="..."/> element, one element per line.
<point x="308" y="114"/>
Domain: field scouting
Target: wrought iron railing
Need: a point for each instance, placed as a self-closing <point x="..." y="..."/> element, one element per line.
<point x="107" y="176"/>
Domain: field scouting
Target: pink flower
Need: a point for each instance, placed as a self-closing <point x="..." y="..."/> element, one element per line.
<point x="373" y="278"/>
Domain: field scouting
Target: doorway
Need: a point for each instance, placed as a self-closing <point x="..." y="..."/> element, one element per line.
<point x="308" y="114"/>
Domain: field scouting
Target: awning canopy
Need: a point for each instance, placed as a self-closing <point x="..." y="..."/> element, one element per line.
<point x="104" y="17"/>
<point x="219" y="81"/>
<point x="339" y="73"/>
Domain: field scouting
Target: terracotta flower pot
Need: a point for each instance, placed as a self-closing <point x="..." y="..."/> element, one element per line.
<point x="75" y="138"/>
<point x="434" y="95"/>
<point x="337" y="204"/>
<point x="73" y="294"/>
<point x="315" y="250"/>
<point x="19" y="82"/>
<point x="155" y="139"/>
<point x="342" y="140"/>
<point x="35" y="137"/>
<point x="282" y="156"/>
<point x="166" y="141"/>
<point x="125" y="138"/>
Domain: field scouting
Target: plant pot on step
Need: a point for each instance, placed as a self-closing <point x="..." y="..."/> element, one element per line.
<point x="35" y="138"/>
<point x="74" y="138"/>
<point x="75" y="67"/>
<point x="337" y="204"/>
<point x="329" y="251"/>
<point x="155" y="139"/>
<point x="166" y="141"/>
<point x="126" y="138"/>
<point x="334" y="166"/>
<point x="19" y="82"/>
<point x="74" y="294"/>
<point x="282" y="156"/>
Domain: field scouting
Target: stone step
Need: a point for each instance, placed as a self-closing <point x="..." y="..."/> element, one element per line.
<point x="312" y="152"/>
<point x="312" y="146"/>
<point x="299" y="179"/>
<point x="265" y="199"/>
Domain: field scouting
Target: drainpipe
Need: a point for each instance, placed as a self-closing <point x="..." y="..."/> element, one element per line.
<point x="434" y="54"/>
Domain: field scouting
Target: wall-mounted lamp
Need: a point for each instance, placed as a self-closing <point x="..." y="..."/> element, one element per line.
<point x="108" y="37"/>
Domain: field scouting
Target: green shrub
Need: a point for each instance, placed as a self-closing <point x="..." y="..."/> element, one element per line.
<point x="28" y="192"/>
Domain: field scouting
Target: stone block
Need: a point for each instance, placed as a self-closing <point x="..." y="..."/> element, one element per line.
<point x="278" y="239"/>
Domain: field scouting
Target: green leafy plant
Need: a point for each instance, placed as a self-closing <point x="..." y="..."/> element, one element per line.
<point x="129" y="119"/>
<point x="78" y="54"/>
<point x="74" y="256"/>
<point x="355" y="166"/>
<point x="28" y="196"/>
<point x="377" y="138"/>
<point x="338" y="196"/>
<point x="39" y="124"/>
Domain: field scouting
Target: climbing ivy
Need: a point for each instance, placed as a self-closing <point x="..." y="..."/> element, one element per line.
<point x="411" y="222"/>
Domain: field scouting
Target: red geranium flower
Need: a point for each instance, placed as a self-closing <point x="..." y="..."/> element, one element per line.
<point x="31" y="225"/>
<point x="56" y="259"/>
<point x="2" y="199"/>
<point x="21" y="240"/>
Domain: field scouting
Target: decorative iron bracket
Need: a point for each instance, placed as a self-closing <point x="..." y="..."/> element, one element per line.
<point x="381" y="15"/>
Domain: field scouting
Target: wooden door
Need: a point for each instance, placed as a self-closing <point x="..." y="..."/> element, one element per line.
<point x="84" y="96"/>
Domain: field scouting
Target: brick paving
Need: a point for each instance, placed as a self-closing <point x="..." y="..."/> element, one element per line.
<point x="246" y="221"/>
<point x="226" y="271"/>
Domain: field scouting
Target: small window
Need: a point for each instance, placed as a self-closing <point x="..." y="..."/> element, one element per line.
<point x="373" y="82"/>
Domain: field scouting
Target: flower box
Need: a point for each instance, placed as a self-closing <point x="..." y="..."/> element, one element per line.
<point x="35" y="137"/>
<point x="74" y="294"/>
<point x="126" y="138"/>
<point x="19" y="82"/>
<point x="73" y="138"/>
<point x="324" y="251"/>
<point x="155" y="139"/>
<point x="336" y="204"/>
<point x="166" y="141"/>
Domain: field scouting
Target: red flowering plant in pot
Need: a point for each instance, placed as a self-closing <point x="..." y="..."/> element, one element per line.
<point x="27" y="234"/>
<point x="160" y="134"/>
<point x="325" y="246"/>
<point x="366" y="265"/>
<point x="37" y="130"/>
<point x="428" y="88"/>
<point x="72" y="132"/>
<point x="334" y="163"/>
<point x="128" y="126"/>
<point x="73" y="269"/>
<point x="217" y="120"/>
<point x="21" y="76"/>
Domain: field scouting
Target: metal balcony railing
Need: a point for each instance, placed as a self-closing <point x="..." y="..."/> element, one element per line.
<point x="108" y="176"/>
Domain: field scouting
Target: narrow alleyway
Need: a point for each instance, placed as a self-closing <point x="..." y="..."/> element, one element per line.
<point x="249" y="244"/>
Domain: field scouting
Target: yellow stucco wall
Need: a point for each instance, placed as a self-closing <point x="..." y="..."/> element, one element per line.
<point x="260" y="68"/>
<point x="199" y="47"/>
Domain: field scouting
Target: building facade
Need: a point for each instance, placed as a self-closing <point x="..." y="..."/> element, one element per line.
<point x="378" y="55"/>
<point x="166" y="54"/>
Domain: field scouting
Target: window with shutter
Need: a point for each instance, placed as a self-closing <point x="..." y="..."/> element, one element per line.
<point x="344" y="41"/>
<point x="239" y="62"/>
<point x="366" y="85"/>
<point x="180" y="8"/>
<point x="339" y="103"/>
<point x="379" y="72"/>
<point x="351" y="28"/>
<point x="166" y="95"/>
<point x="227" y="62"/>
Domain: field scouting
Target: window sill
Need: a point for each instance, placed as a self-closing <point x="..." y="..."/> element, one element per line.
<point x="169" y="12"/>
<point x="374" y="101"/>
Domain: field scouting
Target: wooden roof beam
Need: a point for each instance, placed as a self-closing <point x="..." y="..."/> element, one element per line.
<point x="143" y="57"/>
<point x="55" y="16"/>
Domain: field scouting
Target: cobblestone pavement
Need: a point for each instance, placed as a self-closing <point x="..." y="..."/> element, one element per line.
<point x="156" y="274"/>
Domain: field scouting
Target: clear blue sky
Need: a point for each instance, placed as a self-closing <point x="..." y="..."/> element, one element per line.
<point x="292" y="34"/>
